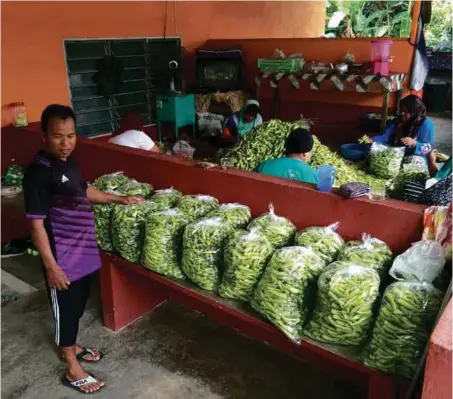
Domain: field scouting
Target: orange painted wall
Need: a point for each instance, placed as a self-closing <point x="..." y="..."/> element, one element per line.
<point x="33" y="67"/>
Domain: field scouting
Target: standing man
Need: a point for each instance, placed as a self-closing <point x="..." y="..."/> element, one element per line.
<point x="58" y="207"/>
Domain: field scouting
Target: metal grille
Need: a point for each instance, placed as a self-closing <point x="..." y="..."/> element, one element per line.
<point x="146" y="73"/>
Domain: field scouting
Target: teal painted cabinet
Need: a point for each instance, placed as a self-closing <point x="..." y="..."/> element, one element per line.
<point x="178" y="109"/>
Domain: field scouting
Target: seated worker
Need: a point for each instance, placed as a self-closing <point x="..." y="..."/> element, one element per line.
<point x="240" y="123"/>
<point x="131" y="134"/>
<point x="299" y="145"/>
<point x="412" y="129"/>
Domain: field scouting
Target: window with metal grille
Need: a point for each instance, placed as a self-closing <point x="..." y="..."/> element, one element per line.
<point x="146" y="72"/>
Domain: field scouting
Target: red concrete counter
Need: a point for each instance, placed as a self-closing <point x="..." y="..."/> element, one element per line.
<point x="438" y="373"/>
<point x="397" y="223"/>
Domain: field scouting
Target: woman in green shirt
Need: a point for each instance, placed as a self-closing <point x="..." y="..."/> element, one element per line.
<point x="294" y="165"/>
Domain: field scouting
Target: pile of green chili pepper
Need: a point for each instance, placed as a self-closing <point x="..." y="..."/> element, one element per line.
<point x="245" y="256"/>
<point x="405" y="320"/>
<point x="287" y="288"/>
<point x="325" y="241"/>
<point x="203" y="244"/>
<point x="196" y="206"/>
<point x="163" y="243"/>
<point x="344" y="306"/>
<point x="237" y="215"/>
<point x="277" y="229"/>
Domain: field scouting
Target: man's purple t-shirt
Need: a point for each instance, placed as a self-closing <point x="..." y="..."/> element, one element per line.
<point x="55" y="191"/>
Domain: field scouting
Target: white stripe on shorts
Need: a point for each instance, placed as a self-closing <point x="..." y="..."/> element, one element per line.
<point x="56" y="314"/>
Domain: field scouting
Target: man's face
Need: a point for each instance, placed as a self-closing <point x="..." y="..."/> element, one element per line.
<point x="60" y="138"/>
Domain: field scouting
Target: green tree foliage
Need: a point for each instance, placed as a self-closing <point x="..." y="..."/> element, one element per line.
<point x="349" y="18"/>
<point x="440" y="27"/>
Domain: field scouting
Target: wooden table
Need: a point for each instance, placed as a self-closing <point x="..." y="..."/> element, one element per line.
<point x="360" y="83"/>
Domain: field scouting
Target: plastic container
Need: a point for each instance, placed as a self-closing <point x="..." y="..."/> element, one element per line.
<point x="326" y="178"/>
<point x="380" y="56"/>
<point x="20" y="114"/>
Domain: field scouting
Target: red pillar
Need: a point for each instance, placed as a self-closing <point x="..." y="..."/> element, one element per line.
<point x="437" y="383"/>
<point x="125" y="295"/>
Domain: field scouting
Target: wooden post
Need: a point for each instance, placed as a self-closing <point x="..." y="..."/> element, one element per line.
<point x="385" y="110"/>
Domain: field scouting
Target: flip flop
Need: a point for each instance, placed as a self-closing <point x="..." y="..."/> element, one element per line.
<point x="77" y="385"/>
<point x="88" y="351"/>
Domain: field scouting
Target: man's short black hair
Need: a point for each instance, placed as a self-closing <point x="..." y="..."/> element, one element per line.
<point x="55" y="111"/>
<point x="299" y="141"/>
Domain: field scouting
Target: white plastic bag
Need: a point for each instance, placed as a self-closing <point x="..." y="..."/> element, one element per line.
<point x="183" y="149"/>
<point x="209" y="124"/>
<point x="422" y="262"/>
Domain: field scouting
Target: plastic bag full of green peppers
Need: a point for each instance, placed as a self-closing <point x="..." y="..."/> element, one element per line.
<point x="325" y="241"/>
<point x="167" y="197"/>
<point x="245" y="257"/>
<point x="134" y="188"/>
<point x="277" y="229"/>
<point x="344" y="307"/>
<point x="287" y="288"/>
<point x="128" y="228"/>
<point x="403" y="325"/>
<point x="103" y="223"/>
<point x="196" y="206"/>
<point x="203" y="244"/>
<point x="237" y="215"/>
<point x="370" y="252"/>
<point x="385" y="161"/>
<point x="163" y="243"/>
<point x="112" y="181"/>
<point x="405" y="175"/>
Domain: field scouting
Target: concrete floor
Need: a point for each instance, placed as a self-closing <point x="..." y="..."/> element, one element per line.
<point x="443" y="131"/>
<point x="172" y="353"/>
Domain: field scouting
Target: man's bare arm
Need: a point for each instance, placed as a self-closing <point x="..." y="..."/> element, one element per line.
<point x="96" y="196"/>
<point x="55" y="275"/>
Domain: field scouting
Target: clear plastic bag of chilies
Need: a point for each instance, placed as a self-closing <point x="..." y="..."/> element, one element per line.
<point x="344" y="305"/>
<point x="403" y="325"/>
<point x="325" y="241"/>
<point x="203" y="244"/>
<point x="245" y="257"/>
<point x="277" y="229"/>
<point x="385" y="161"/>
<point x="111" y="181"/>
<point x="371" y="252"/>
<point x="167" y="197"/>
<point x="237" y="215"/>
<point x="196" y="206"/>
<point x="103" y="223"/>
<point x="162" y="249"/>
<point x="135" y="188"/>
<point x="287" y="288"/>
<point x="128" y="228"/>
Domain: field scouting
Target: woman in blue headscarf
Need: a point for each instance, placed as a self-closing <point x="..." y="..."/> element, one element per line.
<point x="242" y="122"/>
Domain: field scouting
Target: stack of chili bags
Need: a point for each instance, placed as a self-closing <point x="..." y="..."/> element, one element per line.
<point x="408" y="310"/>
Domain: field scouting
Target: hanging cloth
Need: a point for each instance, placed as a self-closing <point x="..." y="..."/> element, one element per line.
<point x="420" y="62"/>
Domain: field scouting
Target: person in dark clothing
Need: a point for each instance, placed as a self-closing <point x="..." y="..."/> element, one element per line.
<point x="58" y="208"/>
